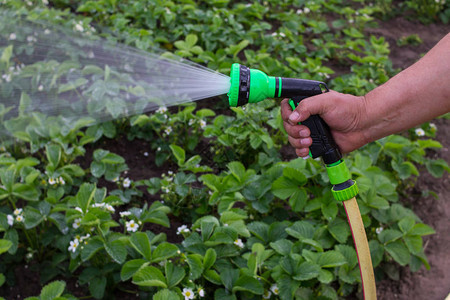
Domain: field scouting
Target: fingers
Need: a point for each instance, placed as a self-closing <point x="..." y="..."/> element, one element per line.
<point x="298" y="135"/>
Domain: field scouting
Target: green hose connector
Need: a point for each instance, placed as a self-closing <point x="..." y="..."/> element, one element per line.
<point x="344" y="188"/>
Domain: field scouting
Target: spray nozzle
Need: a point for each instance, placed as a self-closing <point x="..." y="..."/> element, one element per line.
<point x="242" y="92"/>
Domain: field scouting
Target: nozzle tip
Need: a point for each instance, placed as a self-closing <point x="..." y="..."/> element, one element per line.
<point x="233" y="94"/>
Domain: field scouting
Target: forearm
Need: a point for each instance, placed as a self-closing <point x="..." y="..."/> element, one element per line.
<point x="415" y="95"/>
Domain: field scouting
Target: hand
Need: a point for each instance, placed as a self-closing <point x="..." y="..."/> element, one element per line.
<point x="345" y="114"/>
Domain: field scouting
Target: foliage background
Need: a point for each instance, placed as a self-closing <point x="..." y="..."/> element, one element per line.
<point x="256" y="223"/>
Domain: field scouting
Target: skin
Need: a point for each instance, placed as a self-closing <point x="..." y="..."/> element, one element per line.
<point x="412" y="97"/>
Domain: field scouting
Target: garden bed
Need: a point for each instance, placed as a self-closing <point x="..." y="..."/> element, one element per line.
<point x="149" y="179"/>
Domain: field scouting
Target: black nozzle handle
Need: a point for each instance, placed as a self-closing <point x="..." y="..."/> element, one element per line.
<point x="323" y="144"/>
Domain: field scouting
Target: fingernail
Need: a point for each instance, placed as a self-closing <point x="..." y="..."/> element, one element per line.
<point x="304" y="141"/>
<point x="303" y="133"/>
<point x="294" y="117"/>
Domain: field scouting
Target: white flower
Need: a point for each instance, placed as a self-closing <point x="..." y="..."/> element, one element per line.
<point x="76" y="223"/>
<point x="91" y="54"/>
<point x="182" y="229"/>
<point x="85" y="237"/>
<point x="239" y="243"/>
<point x="282" y="34"/>
<point x="420" y="132"/>
<point x="131" y="226"/>
<point x="31" y="39"/>
<point x="124" y="213"/>
<point x="306" y="10"/>
<point x="379" y="230"/>
<point x="202" y="124"/>
<point x="162" y="110"/>
<point x="19" y="218"/>
<point x="61" y="180"/>
<point x="159" y="149"/>
<point x="52" y="181"/>
<point x="225" y="225"/>
<point x="7" y="77"/>
<point x="12" y="36"/>
<point x="267" y="294"/>
<point x="274" y="289"/>
<point x="188" y="294"/>
<point x="145" y="154"/>
<point x="29" y="255"/>
<point x="126" y="182"/>
<point x="170" y="173"/>
<point x="274" y="33"/>
<point x="433" y="126"/>
<point x="299" y="11"/>
<point x="191" y="122"/>
<point x="45" y="2"/>
<point x="79" y="27"/>
<point x="18" y="211"/>
<point x="110" y="208"/>
<point x="79" y="209"/>
<point x="40" y="88"/>
<point x="73" y="245"/>
<point x="47" y="31"/>
<point x="201" y="292"/>
<point x="10" y="220"/>
<point x="168" y="130"/>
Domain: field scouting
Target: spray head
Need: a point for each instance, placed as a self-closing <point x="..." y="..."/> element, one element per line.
<point x="241" y="92"/>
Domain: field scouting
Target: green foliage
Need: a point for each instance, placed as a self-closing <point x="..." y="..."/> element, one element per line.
<point x="247" y="223"/>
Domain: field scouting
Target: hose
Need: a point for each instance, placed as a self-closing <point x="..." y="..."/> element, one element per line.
<point x="362" y="249"/>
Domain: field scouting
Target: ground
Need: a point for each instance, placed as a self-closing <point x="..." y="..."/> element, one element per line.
<point x="431" y="285"/>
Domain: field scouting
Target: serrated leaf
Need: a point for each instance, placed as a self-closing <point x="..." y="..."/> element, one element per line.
<point x="248" y="284"/>
<point x="306" y="271"/>
<point x="5" y="245"/>
<point x="195" y="265"/>
<point x="179" y="153"/>
<point x="117" y="250"/>
<point x="174" y="274"/>
<point x="93" y="246"/>
<point x="164" y="251"/>
<point x="53" y="290"/>
<point x="97" y="287"/>
<point x="331" y="259"/>
<point x="141" y="243"/>
<point x="209" y="259"/>
<point x="149" y="276"/>
<point x="166" y="294"/>
<point x="399" y="252"/>
<point x="421" y="229"/>
<point x="131" y="267"/>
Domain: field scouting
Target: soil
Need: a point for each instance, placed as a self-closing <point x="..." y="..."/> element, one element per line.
<point x="432" y="285"/>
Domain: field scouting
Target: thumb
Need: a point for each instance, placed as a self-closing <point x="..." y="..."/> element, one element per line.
<point x="316" y="105"/>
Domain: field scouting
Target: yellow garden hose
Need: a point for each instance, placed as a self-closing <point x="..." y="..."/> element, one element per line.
<point x="362" y="249"/>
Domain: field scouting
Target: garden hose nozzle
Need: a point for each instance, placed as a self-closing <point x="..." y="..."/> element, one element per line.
<point x="251" y="86"/>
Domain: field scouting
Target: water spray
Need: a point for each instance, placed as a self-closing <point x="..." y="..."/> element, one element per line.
<point x="251" y="86"/>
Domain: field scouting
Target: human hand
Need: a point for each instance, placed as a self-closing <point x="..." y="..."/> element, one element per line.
<point x="345" y="115"/>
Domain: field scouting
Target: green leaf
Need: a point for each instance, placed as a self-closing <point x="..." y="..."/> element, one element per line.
<point x="306" y="271"/>
<point x="97" y="287"/>
<point x="414" y="243"/>
<point x="248" y="284"/>
<point x="437" y="167"/>
<point x="339" y="229"/>
<point x="53" y="153"/>
<point x="98" y="169"/>
<point x="166" y="294"/>
<point x="5" y="245"/>
<point x="117" y="250"/>
<point x="421" y="229"/>
<point x="164" y="251"/>
<point x="179" y="153"/>
<point x="209" y="259"/>
<point x="53" y="290"/>
<point x="282" y="246"/>
<point x="298" y="200"/>
<point x="85" y="195"/>
<point x="406" y="224"/>
<point x="131" y="267"/>
<point x="174" y="274"/>
<point x="191" y="40"/>
<point x="149" y="276"/>
<point x="195" y="265"/>
<point x="141" y="243"/>
<point x="389" y="235"/>
<point x="237" y="169"/>
<point x="2" y="280"/>
<point x="399" y="252"/>
<point x="376" y="252"/>
<point x="325" y="276"/>
<point x="6" y="54"/>
<point x="331" y="259"/>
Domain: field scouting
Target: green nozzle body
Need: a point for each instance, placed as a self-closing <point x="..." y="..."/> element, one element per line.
<point x="242" y="92"/>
